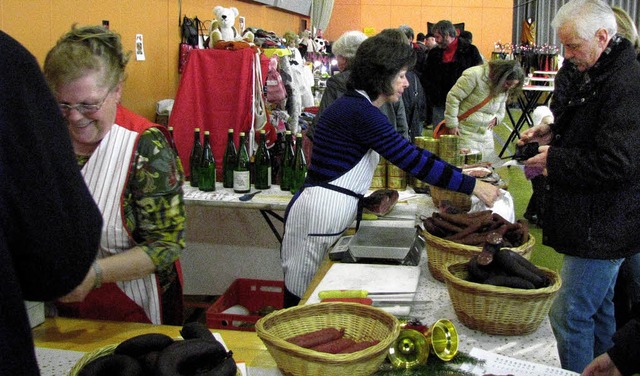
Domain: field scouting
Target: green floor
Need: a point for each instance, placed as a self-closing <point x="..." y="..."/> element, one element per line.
<point x="520" y="189"/>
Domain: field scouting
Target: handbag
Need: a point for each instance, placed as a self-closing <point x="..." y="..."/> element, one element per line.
<point x="191" y="38"/>
<point x="276" y="92"/>
<point x="441" y="129"/>
<point x="260" y="115"/>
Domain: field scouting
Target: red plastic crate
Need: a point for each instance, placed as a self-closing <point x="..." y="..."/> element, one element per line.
<point x="254" y="295"/>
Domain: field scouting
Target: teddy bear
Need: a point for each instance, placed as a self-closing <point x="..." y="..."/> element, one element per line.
<point x="222" y="27"/>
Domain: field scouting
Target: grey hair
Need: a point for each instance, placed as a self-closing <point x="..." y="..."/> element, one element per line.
<point x="347" y="44"/>
<point x="408" y="31"/>
<point x="444" y="28"/>
<point x="587" y="16"/>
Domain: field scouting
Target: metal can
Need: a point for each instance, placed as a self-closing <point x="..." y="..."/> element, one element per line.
<point x="379" y="180"/>
<point x="396" y="177"/>
<point x="428" y="143"/>
<point x="449" y="149"/>
<point x="473" y="157"/>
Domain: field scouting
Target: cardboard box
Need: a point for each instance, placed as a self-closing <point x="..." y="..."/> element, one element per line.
<point x="259" y="297"/>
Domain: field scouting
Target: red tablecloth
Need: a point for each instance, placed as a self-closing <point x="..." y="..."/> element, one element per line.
<point x="215" y="94"/>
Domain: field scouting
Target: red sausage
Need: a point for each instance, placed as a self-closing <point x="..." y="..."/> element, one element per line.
<point x="335" y="346"/>
<point x="309" y="340"/>
<point x="359" y="346"/>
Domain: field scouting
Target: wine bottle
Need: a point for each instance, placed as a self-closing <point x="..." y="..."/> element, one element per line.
<point x="241" y="176"/>
<point x="195" y="158"/>
<point x="287" y="162"/>
<point x="263" y="164"/>
<point x="172" y="143"/>
<point x="207" y="171"/>
<point x="299" y="166"/>
<point x="230" y="160"/>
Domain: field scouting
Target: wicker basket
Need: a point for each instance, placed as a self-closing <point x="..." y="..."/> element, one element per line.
<point x="499" y="310"/>
<point x="360" y="322"/>
<point x="461" y="201"/>
<point x="88" y="357"/>
<point x="441" y="252"/>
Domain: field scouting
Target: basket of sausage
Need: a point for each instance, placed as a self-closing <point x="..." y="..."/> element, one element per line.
<point x="456" y="237"/>
<point x="334" y="338"/>
<point x="507" y="296"/>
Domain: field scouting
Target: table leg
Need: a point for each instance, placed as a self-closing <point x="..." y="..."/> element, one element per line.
<point x="266" y="214"/>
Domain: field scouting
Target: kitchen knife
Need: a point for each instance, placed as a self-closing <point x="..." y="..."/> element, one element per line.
<point x="356" y="294"/>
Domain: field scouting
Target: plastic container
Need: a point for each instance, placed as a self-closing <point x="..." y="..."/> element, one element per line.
<point x="260" y="297"/>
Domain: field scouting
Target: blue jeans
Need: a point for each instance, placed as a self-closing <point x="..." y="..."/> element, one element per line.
<point x="582" y="315"/>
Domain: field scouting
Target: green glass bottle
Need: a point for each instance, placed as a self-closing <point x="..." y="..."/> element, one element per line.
<point x="241" y="174"/>
<point x="263" y="164"/>
<point x="230" y="160"/>
<point x="172" y="142"/>
<point x="194" y="158"/>
<point x="299" y="166"/>
<point x="286" y="168"/>
<point x="207" y="171"/>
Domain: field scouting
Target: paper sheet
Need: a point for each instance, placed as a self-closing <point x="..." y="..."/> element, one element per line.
<point x="503" y="365"/>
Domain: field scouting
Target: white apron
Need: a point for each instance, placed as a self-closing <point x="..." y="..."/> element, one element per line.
<point x="106" y="173"/>
<point x="317" y="218"/>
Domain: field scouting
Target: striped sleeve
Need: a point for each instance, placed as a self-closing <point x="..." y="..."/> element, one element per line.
<point x="352" y="125"/>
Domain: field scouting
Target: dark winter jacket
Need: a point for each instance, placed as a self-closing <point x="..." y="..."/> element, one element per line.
<point x="626" y="350"/>
<point x="592" y="203"/>
<point x="438" y="77"/>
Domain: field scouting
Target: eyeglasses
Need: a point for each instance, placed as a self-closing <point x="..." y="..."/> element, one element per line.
<point x="84" y="109"/>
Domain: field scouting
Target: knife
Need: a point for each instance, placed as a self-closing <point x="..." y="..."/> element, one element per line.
<point x="399" y="303"/>
<point x="326" y="294"/>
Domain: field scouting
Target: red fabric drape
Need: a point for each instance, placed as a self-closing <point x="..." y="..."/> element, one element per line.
<point x="215" y="94"/>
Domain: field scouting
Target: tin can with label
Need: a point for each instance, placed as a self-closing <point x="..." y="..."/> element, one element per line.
<point x="473" y="157"/>
<point x="429" y="143"/>
<point x="449" y="149"/>
<point x="379" y="180"/>
<point x="396" y="178"/>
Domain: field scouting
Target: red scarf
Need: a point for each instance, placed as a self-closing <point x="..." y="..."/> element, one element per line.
<point x="450" y="52"/>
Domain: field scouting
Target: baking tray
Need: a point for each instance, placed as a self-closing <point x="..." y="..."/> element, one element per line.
<point x="392" y="243"/>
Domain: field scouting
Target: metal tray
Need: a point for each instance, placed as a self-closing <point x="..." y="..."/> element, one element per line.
<point x="382" y="242"/>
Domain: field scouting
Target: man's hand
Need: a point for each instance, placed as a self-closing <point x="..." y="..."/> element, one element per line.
<point x="601" y="366"/>
<point x="541" y="133"/>
<point x="540" y="160"/>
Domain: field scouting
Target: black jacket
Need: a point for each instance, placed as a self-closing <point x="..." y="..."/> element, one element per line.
<point x="592" y="203"/>
<point x="438" y="78"/>
<point x="49" y="222"/>
<point x="626" y="349"/>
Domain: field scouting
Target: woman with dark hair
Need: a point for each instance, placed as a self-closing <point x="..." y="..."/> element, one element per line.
<point x="491" y="84"/>
<point x="350" y="137"/>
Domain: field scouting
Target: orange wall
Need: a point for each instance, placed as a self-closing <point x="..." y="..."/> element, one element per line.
<point x="39" y="23"/>
<point x="488" y="20"/>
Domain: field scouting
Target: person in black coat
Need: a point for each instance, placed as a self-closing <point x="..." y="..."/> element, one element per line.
<point x="49" y="223"/>
<point x="592" y="166"/>
<point x="443" y="66"/>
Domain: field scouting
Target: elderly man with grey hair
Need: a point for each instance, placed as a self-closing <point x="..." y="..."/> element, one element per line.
<point x="344" y="49"/>
<point x="591" y="209"/>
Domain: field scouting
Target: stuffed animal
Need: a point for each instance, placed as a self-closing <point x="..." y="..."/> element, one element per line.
<point x="320" y="44"/>
<point x="222" y="27"/>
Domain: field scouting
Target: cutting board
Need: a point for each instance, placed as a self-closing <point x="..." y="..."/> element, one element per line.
<point x="373" y="278"/>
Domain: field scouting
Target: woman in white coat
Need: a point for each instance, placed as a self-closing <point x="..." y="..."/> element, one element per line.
<point x="494" y="81"/>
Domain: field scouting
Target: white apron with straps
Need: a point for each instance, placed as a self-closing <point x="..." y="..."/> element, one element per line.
<point x="106" y="174"/>
<point x="317" y="219"/>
